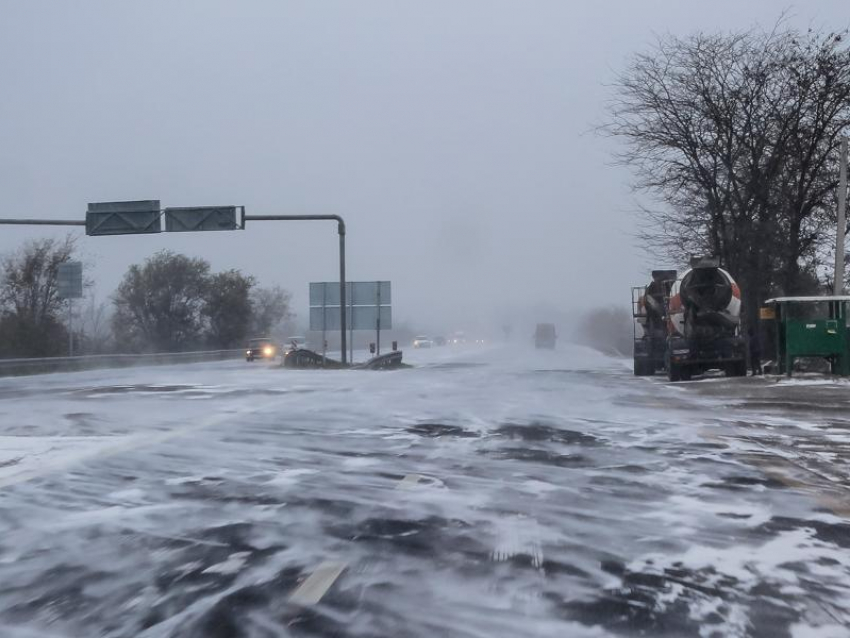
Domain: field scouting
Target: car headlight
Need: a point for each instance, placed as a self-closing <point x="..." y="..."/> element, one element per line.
<point x="268" y="352"/>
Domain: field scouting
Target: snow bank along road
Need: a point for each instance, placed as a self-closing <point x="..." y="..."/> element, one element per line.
<point x="486" y="492"/>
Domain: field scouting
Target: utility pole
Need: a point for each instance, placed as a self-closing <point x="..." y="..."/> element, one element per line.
<point x="838" y="286"/>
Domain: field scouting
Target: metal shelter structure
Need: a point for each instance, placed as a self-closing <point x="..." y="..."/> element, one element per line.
<point x="811" y="327"/>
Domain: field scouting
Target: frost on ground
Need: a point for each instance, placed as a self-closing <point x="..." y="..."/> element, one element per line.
<point x="486" y="492"/>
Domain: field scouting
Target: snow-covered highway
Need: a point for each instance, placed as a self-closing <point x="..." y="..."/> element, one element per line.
<point x="488" y="491"/>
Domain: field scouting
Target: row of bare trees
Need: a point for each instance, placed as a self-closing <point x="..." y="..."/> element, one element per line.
<point x="736" y="137"/>
<point x="169" y="303"/>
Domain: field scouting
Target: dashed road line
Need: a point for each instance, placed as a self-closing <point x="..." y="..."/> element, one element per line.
<point x="317" y="584"/>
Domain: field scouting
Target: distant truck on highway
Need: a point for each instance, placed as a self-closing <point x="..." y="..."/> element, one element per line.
<point x="544" y="336"/>
<point x="690" y="323"/>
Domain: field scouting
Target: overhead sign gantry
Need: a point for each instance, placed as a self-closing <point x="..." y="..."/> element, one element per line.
<point x="146" y="217"/>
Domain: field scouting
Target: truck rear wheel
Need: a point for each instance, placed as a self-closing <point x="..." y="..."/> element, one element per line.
<point x="736" y="369"/>
<point x="643" y="368"/>
<point x="674" y="372"/>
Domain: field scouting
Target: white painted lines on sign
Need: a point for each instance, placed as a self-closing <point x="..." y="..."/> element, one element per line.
<point x="317" y="584"/>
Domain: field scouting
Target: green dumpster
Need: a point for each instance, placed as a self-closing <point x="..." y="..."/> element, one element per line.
<point x="811" y="327"/>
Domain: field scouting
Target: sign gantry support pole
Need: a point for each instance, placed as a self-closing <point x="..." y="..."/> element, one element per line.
<point x="341" y="231"/>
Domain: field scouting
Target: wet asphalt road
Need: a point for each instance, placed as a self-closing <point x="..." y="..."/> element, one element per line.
<point x="485" y="492"/>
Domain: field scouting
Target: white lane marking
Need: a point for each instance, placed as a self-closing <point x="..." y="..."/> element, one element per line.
<point x="233" y="564"/>
<point x="409" y="481"/>
<point x="183" y="539"/>
<point x="517" y="536"/>
<point x="317" y="584"/>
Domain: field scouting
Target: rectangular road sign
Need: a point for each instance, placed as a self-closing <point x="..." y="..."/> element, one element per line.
<point x="69" y="280"/>
<point x="362" y="301"/>
<point x="357" y="293"/>
<point x="202" y="218"/>
<point x="357" y="318"/>
<point x="123" y="218"/>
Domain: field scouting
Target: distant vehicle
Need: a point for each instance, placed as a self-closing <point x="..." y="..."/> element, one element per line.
<point x="649" y="308"/>
<point x="544" y="336"/>
<point x="457" y="337"/>
<point x="439" y="341"/>
<point x="422" y="341"/>
<point x="261" y="348"/>
<point x="296" y="343"/>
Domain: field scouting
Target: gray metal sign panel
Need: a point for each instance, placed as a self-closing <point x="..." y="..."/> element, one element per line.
<point x="69" y="280"/>
<point x="202" y="218"/>
<point x="371" y="293"/>
<point x="366" y="317"/>
<point x="357" y="293"/>
<point x="358" y="318"/>
<point x="123" y="218"/>
<point x="320" y="295"/>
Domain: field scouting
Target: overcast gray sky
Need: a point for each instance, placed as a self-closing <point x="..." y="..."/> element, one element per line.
<point x="453" y="136"/>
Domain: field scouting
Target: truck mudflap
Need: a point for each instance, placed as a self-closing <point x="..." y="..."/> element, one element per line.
<point x="648" y="356"/>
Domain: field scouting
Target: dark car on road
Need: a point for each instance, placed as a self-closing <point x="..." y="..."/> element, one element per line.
<point x="261" y="348"/>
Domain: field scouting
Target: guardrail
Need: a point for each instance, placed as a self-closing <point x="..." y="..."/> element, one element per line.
<point x="388" y="361"/>
<point x="19" y="367"/>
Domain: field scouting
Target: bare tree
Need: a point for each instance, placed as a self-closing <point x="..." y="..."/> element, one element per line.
<point x="736" y="135"/>
<point x="30" y="308"/>
<point x="270" y="308"/>
<point x="95" y="330"/>
<point x="608" y="330"/>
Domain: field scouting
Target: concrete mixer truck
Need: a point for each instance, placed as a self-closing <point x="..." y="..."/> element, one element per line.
<point x="701" y="314"/>
<point x="649" y="309"/>
<point x="704" y="323"/>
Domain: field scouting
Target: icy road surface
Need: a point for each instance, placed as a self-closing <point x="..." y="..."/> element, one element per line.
<point x="488" y="492"/>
